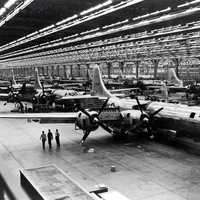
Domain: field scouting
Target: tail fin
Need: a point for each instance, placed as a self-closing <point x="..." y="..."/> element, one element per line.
<point x="164" y="92"/>
<point x="38" y="84"/>
<point x="13" y="78"/>
<point x="98" y="87"/>
<point x="173" y="79"/>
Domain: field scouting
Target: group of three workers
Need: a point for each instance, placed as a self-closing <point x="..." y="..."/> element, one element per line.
<point x="49" y="137"/>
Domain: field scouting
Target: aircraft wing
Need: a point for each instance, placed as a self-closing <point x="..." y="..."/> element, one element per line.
<point x="124" y="90"/>
<point x="4" y="96"/>
<point x="63" y="117"/>
<point x="79" y="97"/>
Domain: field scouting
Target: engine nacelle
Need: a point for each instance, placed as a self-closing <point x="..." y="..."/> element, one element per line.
<point x="130" y="117"/>
<point x="84" y="122"/>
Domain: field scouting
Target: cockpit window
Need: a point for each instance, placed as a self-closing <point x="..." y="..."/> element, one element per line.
<point x="192" y="115"/>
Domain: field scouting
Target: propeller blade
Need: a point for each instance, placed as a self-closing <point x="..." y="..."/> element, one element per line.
<point x="103" y="106"/>
<point x="85" y="112"/>
<point x="144" y="116"/>
<point x="42" y="88"/>
<point x="85" y="136"/>
<point x="139" y="105"/>
<point x="156" y="112"/>
<point x="106" y="128"/>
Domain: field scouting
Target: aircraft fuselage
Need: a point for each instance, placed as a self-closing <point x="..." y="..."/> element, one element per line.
<point x="180" y="118"/>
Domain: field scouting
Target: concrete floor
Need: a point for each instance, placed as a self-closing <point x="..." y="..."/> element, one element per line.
<point x="145" y="170"/>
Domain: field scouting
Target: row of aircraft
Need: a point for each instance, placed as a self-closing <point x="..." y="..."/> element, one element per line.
<point x="26" y="92"/>
<point x="133" y="115"/>
<point x="36" y="91"/>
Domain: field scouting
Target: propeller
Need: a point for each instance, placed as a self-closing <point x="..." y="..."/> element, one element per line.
<point x="12" y="96"/>
<point x="145" y="119"/>
<point x="85" y="112"/>
<point x="95" y="120"/>
<point x="139" y="105"/>
<point x="43" y="93"/>
<point x="156" y="112"/>
<point x="103" y="106"/>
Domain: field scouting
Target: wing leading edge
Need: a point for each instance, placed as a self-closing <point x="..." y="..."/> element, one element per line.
<point x="67" y="117"/>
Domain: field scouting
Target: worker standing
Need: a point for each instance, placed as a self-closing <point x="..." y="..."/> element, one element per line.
<point x="43" y="137"/>
<point x="50" y="137"/>
<point x="57" y="138"/>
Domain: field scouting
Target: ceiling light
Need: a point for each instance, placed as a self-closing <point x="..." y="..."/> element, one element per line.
<point x="46" y="28"/>
<point x="67" y="19"/>
<point x="14" y="12"/>
<point x="2" y="11"/>
<point x="96" y="7"/>
<point x="9" y="3"/>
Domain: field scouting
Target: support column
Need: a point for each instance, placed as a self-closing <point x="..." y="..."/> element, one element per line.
<point x="109" y="65"/>
<point x="22" y="72"/>
<point x="14" y="71"/>
<point x="155" y="64"/>
<point x="87" y="71"/>
<point x="137" y="64"/>
<point x="52" y="71"/>
<point x="64" y="72"/>
<point x="121" y="66"/>
<point x="177" y="61"/>
<point x="42" y="70"/>
<point x="78" y="70"/>
<point x="71" y="71"/>
<point x="47" y="70"/>
<point x="17" y="72"/>
<point x="33" y="71"/>
<point x="27" y="71"/>
<point x="58" y="70"/>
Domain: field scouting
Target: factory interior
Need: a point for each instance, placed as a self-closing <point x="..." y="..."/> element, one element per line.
<point x="99" y="99"/>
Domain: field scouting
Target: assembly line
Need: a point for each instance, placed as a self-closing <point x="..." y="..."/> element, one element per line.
<point x="99" y="99"/>
<point x="133" y="115"/>
<point x="144" y="126"/>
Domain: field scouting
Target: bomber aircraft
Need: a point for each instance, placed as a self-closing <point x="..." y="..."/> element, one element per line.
<point x="32" y="92"/>
<point x="22" y="92"/>
<point x="157" y="118"/>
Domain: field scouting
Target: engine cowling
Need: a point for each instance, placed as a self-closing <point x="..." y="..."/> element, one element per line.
<point x="130" y="117"/>
<point x="85" y="123"/>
